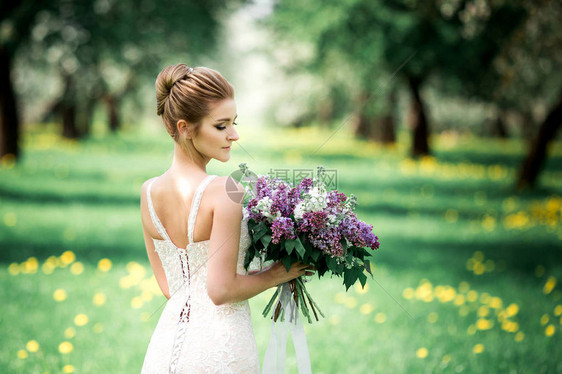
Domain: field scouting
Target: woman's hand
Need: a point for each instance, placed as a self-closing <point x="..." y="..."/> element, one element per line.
<point x="280" y="274"/>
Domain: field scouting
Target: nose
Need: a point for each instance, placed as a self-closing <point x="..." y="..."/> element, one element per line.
<point x="233" y="135"/>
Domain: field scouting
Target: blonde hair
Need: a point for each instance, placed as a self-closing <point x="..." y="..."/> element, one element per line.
<point x="186" y="93"/>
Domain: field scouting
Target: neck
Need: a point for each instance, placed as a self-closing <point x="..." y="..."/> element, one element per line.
<point x="188" y="161"/>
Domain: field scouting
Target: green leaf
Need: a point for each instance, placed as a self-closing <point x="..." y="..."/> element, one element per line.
<point x="265" y="240"/>
<point x="315" y="254"/>
<point x="362" y="278"/>
<point x="368" y="266"/>
<point x="349" y="277"/>
<point x="287" y="261"/>
<point x="259" y="231"/>
<point x="300" y="248"/>
<point x="289" y="245"/>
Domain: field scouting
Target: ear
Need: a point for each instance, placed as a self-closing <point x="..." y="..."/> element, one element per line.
<point x="185" y="128"/>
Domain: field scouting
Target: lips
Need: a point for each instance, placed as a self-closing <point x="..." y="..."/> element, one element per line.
<point x="226" y="148"/>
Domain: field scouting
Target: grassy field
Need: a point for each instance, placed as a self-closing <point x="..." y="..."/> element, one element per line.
<point x="466" y="278"/>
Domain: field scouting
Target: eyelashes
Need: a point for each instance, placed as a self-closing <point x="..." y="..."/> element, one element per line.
<point x="224" y="127"/>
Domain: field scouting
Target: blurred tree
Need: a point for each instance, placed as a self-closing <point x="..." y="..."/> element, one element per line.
<point x="100" y="48"/>
<point x="453" y="39"/>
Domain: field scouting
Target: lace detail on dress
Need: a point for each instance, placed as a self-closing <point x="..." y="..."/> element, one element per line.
<point x="193" y="334"/>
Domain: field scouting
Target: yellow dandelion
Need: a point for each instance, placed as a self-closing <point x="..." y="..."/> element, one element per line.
<point x="549" y="285"/>
<point x="98" y="328"/>
<point x="432" y="317"/>
<point x="126" y="282"/>
<point x="380" y="317"/>
<point x="70" y="332"/>
<point x="59" y="294"/>
<point x="484" y="324"/>
<point x="519" y="336"/>
<point x="32" y="346"/>
<point x="104" y="264"/>
<point x="502" y="315"/>
<point x="463" y="310"/>
<point x="81" y="319"/>
<point x="361" y="290"/>
<point x="340" y="297"/>
<point x="68" y="257"/>
<point x="10" y="219"/>
<point x="488" y="223"/>
<point x="99" y="299"/>
<point x="14" y="268"/>
<point x="421" y="353"/>
<point x="470" y="264"/>
<point x="350" y="302"/>
<point x="549" y="331"/>
<point x="459" y="300"/>
<point x="489" y="265"/>
<point x="48" y="268"/>
<point x="485" y="298"/>
<point x="478" y="256"/>
<point x="544" y="319"/>
<point x="77" y="268"/>
<point x="478" y="348"/>
<point x="136" y="302"/>
<point x="144" y="316"/>
<point x="471" y="330"/>
<point x="31" y="265"/>
<point x="65" y="347"/>
<point x="335" y="320"/>
<point x="22" y="354"/>
<point x="446" y="359"/>
<point x="463" y="287"/>
<point x="558" y="310"/>
<point x="68" y="369"/>
<point x="451" y="215"/>
<point x="479" y="268"/>
<point x="495" y="302"/>
<point x="366" y="308"/>
<point x="512" y="309"/>
<point x="483" y="311"/>
<point x="408" y="293"/>
<point x="472" y="296"/>
<point x="146" y="295"/>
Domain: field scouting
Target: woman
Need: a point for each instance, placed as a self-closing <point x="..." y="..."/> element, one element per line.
<point x="196" y="235"/>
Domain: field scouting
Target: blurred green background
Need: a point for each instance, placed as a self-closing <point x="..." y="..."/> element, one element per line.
<point x="441" y="116"/>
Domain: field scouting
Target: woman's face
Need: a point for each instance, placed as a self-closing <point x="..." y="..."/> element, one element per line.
<point x="217" y="132"/>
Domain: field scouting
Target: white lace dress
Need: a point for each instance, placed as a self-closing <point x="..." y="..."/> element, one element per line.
<point x="193" y="335"/>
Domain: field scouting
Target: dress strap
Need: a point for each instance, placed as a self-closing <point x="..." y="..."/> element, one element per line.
<point x="195" y="205"/>
<point x="154" y="216"/>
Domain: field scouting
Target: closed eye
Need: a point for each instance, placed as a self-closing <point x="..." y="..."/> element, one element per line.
<point x="224" y="127"/>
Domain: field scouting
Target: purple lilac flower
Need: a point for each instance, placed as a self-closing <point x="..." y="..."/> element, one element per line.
<point x="282" y="228"/>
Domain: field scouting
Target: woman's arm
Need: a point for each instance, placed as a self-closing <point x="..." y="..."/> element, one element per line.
<point x="153" y="257"/>
<point x="224" y="285"/>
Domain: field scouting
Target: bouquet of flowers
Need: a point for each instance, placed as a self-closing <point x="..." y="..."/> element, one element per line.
<point x="310" y="224"/>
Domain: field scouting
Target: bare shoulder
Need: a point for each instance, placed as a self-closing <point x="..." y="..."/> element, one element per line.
<point x="144" y="188"/>
<point x="225" y="189"/>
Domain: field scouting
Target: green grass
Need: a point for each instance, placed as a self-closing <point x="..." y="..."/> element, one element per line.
<point x="456" y="242"/>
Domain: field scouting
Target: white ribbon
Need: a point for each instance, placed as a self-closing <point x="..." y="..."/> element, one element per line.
<point x="274" y="361"/>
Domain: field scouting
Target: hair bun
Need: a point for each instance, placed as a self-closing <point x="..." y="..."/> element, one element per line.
<point x="167" y="78"/>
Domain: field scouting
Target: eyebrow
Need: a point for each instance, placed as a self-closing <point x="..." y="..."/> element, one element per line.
<point x="226" y="119"/>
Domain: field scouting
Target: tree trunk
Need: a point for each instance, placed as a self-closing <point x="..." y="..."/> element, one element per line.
<point x="386" y="123"/>
<point x="9" y="119"/>
<point x="534" y="161"/>
<point x="362" y="122"/>
<point x="112" y="112"/>
<point x="418" y="120"/>
<point x="498" y="128"/>
<point x="68" y="110"/>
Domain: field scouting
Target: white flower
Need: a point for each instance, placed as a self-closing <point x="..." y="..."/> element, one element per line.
<point x="263" y="207"/>
<point x="299" y="210"/>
